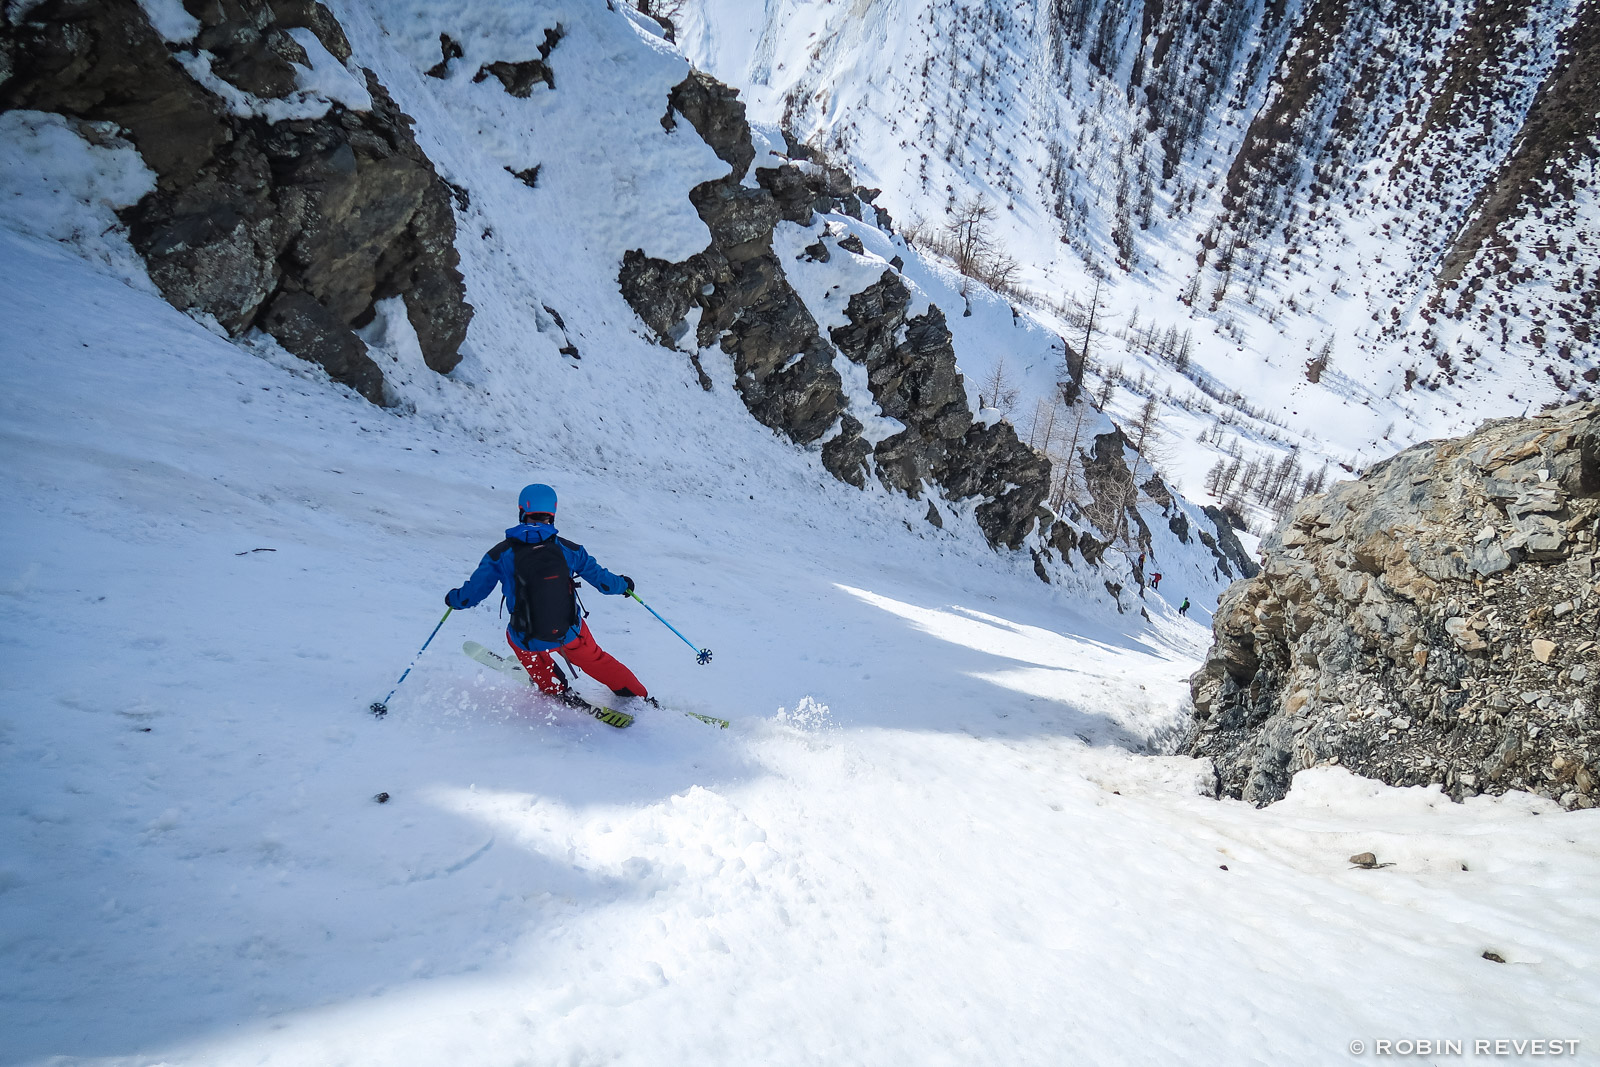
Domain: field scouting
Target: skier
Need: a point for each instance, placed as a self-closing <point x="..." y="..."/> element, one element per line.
<point x="1183" y="609"/>
<point x="535" y="570"/>
<point x="1155" y="580"/>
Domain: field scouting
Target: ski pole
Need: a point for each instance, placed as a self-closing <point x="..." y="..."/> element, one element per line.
<point x="380" y="708"/>
<point x="702" y="656"/>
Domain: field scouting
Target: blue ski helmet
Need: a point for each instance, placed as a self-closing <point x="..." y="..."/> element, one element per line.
<point x="537" y="498"/>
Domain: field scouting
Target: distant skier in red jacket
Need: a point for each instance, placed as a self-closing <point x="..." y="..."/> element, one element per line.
<point x="1155" y="580"/>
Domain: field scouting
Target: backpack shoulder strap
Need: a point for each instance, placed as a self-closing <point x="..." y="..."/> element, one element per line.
<point x="499" y="550"/>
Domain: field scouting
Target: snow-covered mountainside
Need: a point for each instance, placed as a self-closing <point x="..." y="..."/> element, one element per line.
<point x="295" y="299"/>
<point x="921" y="809"/>
<point x="293" y="207"/>
<point x="1364" y="225"/>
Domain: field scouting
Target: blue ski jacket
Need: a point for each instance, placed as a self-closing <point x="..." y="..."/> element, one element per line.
<point x="498" y="567"/>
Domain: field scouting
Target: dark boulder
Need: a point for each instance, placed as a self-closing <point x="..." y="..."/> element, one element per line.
<point x="449" y="48"/>
<point x="717" y="115"/>
<point x="845" y="457"/>
<point x="518" y="77"/>
<point x="991" y="462"/>
<point x="312" y="332"/>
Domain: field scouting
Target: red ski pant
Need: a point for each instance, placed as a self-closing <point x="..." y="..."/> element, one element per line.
<point x="587" y="656"/>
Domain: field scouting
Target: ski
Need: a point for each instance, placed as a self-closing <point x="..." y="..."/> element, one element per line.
<point x="611" y="717"/>
<point x="606" y="715"/>
<point x="493" y="659"/>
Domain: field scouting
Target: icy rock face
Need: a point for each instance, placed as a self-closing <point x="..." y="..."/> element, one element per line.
<point x="784" y="367"/>
<point x="271" y="210"/>
<point x="1109" y="506"/>
<point x="1433" y="622"/>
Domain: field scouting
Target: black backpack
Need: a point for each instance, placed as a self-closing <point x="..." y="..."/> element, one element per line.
<point x="546" y="595"/>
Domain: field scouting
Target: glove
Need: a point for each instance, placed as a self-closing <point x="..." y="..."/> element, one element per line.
<point x="627" y="583"/>
<point x="452" y="600"/>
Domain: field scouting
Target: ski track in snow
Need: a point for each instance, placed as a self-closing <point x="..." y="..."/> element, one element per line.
<point x="928" y="837"/>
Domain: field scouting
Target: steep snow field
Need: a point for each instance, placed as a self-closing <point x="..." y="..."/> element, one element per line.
<point x="939" y="829"/>
<point x="924" y="839"/>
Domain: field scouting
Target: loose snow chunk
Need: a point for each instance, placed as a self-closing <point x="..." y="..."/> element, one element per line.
<point x="50" y="163"/>
<point x="685" y="335"/>
<point x="323" y="83"/>
<point x="809" y="716"/>
<point x="327" y="77"/>
<point x="297" y="105"/>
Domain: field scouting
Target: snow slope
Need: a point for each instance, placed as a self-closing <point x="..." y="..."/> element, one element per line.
<point x="933" y="833"/>
<point x="919" y="842"/>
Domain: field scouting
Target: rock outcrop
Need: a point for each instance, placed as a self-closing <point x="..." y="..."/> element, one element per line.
<point x="914" y="380"/>
<point x="269" y="211"/>
<point x="783" y="366"/>
<point x="1225" y="545"/>
<point x="1433" y="622"/>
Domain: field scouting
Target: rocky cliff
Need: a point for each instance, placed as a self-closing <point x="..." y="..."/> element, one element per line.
<point x="1433" y="622"/>
<point x="276" y="206"/>
<point x="783" y="364"/>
